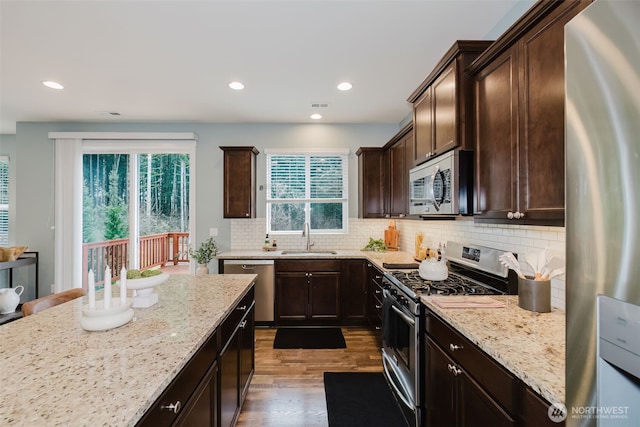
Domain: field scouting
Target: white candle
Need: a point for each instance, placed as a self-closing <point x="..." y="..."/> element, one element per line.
<point x="92" y="291"/>
<point x="123" y="286"/>
<point x="107" y="288"/>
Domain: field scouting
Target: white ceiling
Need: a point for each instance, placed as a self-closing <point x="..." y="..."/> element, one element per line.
<point x="171" y="60"/>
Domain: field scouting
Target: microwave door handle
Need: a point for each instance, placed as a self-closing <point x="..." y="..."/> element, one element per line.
<point x="432" y="189"/>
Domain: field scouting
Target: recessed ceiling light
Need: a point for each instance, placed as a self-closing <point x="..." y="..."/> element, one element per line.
<point x="236" y="85"/>
<point x="316" y="116"/>
<point x="345" y="86"/>
<point x="53" y="85"/>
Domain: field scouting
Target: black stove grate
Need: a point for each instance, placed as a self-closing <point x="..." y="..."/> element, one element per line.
<point x="453" y="285"/>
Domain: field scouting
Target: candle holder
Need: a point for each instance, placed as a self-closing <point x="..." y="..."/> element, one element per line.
<point x="143" y="294"/>
<point x="102" y="319"/>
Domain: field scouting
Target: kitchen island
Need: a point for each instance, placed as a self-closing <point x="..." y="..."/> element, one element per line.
<point x="54" y="373"/>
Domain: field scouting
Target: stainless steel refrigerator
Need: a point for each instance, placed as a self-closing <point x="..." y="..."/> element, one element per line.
<point x="602" y="50"/>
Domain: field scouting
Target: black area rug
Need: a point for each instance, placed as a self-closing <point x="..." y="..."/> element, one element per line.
<point x="312" y="338"/>
<point x="357" y="399"/>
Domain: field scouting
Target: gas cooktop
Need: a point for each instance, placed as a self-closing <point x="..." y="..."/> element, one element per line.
<point x="453" y="285"/>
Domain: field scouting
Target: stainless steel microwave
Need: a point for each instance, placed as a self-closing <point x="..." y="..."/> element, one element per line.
<point x="443" y="185"/>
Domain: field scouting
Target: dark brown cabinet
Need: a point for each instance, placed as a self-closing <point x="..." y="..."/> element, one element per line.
<point x="239" y="192"/>
<point x="371" y="174"/>
<point x="210" y="389"/>
<point x="519" y="119"/>
<point x="307" y="292"/>
<point x="399" y="160"/>
<point x="354" y="292"/>
<point x="443" y="104"/>
<point x="237" y="360"/>
<point x="464" y="386"/>
<point x="535" y="411"/>
<point x="189" y="392"/>
<point x="374" y="301"/>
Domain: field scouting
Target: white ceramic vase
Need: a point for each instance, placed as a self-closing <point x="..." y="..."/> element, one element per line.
<point x="202" y="269"/>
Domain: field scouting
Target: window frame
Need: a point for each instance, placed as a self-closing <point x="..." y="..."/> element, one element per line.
<point x="5" y="184"/>
<point x="308" y="200"/>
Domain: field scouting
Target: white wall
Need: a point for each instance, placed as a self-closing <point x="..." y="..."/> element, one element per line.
<point x="519" y="239"/>
<point x="34" y="166"/>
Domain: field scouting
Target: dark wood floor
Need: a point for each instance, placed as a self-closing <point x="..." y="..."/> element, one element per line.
<point x="287" y="388"/>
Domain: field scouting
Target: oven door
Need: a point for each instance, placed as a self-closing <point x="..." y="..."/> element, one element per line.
<point x="400" y="351"/>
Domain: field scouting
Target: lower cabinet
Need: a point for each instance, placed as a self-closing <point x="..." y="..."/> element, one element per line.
<point x="463" y="386"/>
<point x="210" y="389"/>
<point x="236" y="361"/>
<point x="374" y="301"/>
<point x="353" y="290"/>
<point x="308" y="292"/>
<point x="200" y="411"/>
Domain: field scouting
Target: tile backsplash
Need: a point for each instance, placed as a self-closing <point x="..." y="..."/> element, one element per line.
<point x="248" y="234"/>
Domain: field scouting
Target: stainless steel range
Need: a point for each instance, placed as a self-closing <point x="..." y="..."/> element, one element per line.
<point x="473" y="270"/>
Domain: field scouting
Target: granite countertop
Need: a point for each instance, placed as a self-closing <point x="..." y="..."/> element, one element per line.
<point x="54" y="373"/>
<point x="528" y="344"/>
<point x="378" y="258"/>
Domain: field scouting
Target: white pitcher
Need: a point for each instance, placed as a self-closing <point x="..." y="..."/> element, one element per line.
<point x="9" y="299"/>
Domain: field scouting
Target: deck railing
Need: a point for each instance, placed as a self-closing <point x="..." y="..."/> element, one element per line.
<point x="155" y="250"/>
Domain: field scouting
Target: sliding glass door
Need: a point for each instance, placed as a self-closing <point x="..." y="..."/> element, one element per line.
<point x="135" y="210"/>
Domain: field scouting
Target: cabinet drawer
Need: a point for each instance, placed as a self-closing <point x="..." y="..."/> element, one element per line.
<point x="308" y="265"/>
<point x="182" y="387"/>
<point x="497" y="381"/>
<point x="231" y="322"/>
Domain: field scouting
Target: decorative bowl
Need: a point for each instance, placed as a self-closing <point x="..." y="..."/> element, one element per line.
<point x="146" y="282"/>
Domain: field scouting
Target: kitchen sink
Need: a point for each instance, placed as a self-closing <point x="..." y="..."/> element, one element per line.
<point x="310" y="252"/>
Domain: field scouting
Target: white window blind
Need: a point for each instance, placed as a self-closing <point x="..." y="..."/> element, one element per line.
<point x="307" y="187"/>
<point x="4" y="201"/>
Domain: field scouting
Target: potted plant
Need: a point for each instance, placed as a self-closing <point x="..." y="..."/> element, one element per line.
<point x="204" y="254"/>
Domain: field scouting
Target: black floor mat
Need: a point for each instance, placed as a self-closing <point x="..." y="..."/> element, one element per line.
<point x="357" y="399"/>
<point x="311" y="338"/>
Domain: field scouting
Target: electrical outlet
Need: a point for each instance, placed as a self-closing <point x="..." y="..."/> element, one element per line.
<point x="213" y="232"/>
<point x="53" y="288"/>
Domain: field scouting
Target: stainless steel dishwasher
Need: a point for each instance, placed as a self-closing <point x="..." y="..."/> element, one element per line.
<point x="265" y="284"/>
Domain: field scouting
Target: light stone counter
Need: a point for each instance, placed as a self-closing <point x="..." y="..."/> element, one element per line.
<point x="377" y="258"/>
<point x="528" y="344"/>
<point x="54" y="373"/>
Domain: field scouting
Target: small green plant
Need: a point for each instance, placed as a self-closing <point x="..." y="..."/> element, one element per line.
<point x="376" y="245"/>
<point x="205" y="253"/>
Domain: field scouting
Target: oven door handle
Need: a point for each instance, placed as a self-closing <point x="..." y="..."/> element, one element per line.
<point x="402" y="394"/>
<point x="406" y="318"/>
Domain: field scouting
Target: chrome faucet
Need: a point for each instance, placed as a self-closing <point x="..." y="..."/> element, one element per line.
<point x="306" y="231"/>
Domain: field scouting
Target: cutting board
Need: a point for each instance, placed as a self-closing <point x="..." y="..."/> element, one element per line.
<point x="392" y="236"/>
<point x="466" y="301"/>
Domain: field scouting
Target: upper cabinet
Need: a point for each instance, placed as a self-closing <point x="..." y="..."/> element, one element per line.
<point x="443" y="106"/>
<point x="399" y="160"/>
<point x="239" y="182"/>
<point x="371" y="166"/>
<point x="519" y="119"/>
<point x="383" y="177"/>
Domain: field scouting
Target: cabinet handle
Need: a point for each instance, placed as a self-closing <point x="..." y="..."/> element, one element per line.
<point x="378" y="328"/>
<point x="377" y="291"/>
<point x="452" y="368"/>
<point x="310" y="274"/>
<point x="515" y="215"/>
<point x="243" y="324"/>
<point x="378" y="277"/>
<point x="242" y="308"/>
<point x="454" y="347"/>
<point x="378" y="306"/>
<point x="173" y="407"/>
<point x="247" y="215"/>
